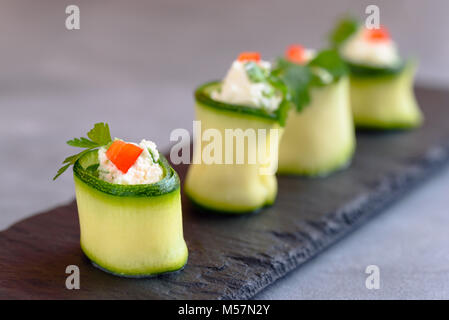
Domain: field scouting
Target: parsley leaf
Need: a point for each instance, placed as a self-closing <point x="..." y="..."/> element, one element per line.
<point x="330" y="62"/>
<point x="61" y="171"/>
<point x="82" y="143"/>
<point x="255" y="72"/>
<point x="327" y="67"/>
<point x="279" y="85"/>
<point x="99" y="136"/>
<point x="153" y="157"/>
<point x="343" y="30"/>
<point x="296" y="78"/>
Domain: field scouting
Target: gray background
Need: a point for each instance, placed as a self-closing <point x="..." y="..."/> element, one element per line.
<point x="135" y="64"/>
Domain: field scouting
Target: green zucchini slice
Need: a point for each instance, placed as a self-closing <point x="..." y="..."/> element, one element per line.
<point x="231" y="188"/>
<point x="203" y="96"/>
<point x="320" y="138"/>
<point x="385" y="101"/>
<point x="373" y="71"/>
<point x="130" y="230"/>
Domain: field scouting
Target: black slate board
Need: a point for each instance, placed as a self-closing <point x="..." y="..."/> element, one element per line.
<point x="236" y="257"/>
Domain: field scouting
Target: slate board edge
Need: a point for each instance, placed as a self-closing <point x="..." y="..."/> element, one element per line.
<point x="354" y="213"/>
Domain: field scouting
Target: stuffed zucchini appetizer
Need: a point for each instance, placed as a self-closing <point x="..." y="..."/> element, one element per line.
<point x="248" y="100"/>
<point x="129" y="205"/>
<point x="381" y="82"/>
<point x="319" y="135"/>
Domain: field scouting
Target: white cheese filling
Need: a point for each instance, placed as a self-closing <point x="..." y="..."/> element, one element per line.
<point x="237" y="88"/>
<point x="359" y="49"/>
<point x="323" y="74"/>
<point x="309" y="54"/>
<point x="143" y="171"/>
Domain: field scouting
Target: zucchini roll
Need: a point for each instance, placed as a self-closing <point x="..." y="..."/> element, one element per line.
<point x="381" y="82"/>
<point x="129" y="207"/>
<point x="249" y="101"/>
<point x="319" y="135"/>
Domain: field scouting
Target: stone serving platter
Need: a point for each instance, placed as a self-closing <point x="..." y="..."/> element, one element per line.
<point x="236" y="257"/>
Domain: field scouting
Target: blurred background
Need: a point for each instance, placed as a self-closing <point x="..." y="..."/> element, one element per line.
<point x="135" y="64"/>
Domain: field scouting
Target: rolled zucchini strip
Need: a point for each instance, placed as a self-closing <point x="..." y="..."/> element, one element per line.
<point x="232" y="188"/>
<point x="385" y="101"/>
<point x="320" y="138"/>
<point x="130" y="230"/>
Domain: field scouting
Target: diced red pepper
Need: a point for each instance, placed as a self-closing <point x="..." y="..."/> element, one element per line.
<point x="123" y="155"/>
<point x="296" y="53"/>
<point x="249" y="56"/>
<point x="377" y="35"/>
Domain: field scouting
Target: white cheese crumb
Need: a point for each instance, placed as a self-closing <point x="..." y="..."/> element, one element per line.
<point x="143" y="171"/>
<point x="309" y="54"/>
<point x="237" y="88"/>
<point x="358" y="49"/>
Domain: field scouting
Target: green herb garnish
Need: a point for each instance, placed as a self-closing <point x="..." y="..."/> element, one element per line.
<point x="299" y="79"/>
<point x="255" y="72"/>
<point x="153" y="157"/>
<point x="97" y="137"/>
<point x="343" y="30"/>
<point x="280" y="86"/>
<point x="329" y="61"/>
<point x="269" y="93"/>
